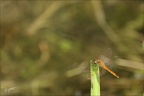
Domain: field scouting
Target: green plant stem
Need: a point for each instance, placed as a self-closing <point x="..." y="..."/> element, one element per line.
<point x="95" y="79"/>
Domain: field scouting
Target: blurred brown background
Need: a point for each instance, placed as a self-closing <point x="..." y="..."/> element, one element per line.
<point x="41" y="40"/>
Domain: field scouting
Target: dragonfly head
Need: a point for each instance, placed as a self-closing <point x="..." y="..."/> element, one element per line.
<point x="97" y="61"/>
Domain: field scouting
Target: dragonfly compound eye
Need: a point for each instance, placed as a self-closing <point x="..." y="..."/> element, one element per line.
<point x="97" y="61"/>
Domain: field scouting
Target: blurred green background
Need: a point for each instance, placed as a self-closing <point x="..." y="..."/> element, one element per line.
<point x="40" y="41"/>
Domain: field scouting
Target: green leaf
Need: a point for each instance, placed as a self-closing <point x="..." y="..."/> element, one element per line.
<point x="95" y="79"/>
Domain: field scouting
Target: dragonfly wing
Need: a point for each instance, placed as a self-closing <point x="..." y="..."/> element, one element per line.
<point x="102" y="71"/>
<point x="77" y="69"/>
<point x="108" y="53"/>
<point x="104" y="59"/>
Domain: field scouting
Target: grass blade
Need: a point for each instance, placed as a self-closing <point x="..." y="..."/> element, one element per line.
<point x="95" y="79"/>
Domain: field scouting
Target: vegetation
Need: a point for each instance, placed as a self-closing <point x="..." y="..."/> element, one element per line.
<point x="44" y="46"/>
<point x="95" y="79"/>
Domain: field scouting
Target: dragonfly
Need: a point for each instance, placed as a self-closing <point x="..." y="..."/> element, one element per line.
<point x="103" y="62"/>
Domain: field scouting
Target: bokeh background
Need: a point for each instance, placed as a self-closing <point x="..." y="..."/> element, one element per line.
<point x="40" y="41"/>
